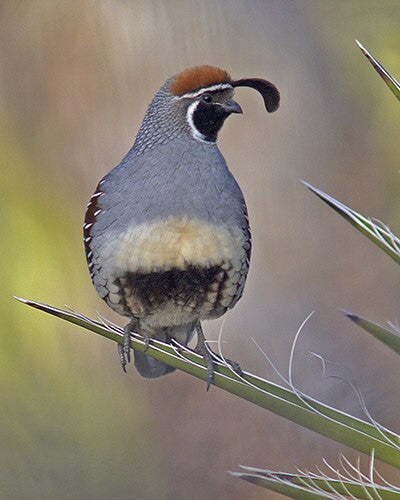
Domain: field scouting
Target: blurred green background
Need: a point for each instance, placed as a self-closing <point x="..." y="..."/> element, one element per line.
<point x="76" y="78"/>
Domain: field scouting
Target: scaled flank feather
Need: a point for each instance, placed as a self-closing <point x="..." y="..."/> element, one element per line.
<point x="196" y="78"/>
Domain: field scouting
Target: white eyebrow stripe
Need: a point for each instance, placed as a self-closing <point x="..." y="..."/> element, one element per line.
<point x="211" y="88"/>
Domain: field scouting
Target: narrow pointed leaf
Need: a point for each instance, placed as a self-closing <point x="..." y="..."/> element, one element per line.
<point x="382" y="334"/>
<point x="297" y="485"/>
<point x="376" y="232"/>
<point x="303" y="410"/>
<point x="286" y="488"/>
<point x="390" y="81"/>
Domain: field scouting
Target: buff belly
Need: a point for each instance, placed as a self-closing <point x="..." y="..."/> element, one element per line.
<point x="173" y="272"/>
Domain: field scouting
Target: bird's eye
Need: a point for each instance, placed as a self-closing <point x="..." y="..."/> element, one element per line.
<point x="206" y="98"/>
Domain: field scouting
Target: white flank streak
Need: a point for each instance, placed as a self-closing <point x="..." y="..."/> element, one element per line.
<point x="189" y="117"/>
<point x="211" y="88"/>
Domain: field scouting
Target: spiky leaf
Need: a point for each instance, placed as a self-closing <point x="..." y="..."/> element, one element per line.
<point x="390" y="81"/>
<point x="378" y="233"/>
<point x="290" y="404"/>
<point x="311" y="485"/>
<point x="384" y="335"/>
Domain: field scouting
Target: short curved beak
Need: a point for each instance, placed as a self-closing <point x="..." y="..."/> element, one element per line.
<point x="232" y="107"/>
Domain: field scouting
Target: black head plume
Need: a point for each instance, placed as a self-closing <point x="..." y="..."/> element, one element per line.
<point x="267" y="89"/>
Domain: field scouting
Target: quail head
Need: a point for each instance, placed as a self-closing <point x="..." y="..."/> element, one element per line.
<point x="166" y="232"/>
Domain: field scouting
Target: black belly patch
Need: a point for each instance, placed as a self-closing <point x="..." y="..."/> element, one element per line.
<point x="183" y="286"/>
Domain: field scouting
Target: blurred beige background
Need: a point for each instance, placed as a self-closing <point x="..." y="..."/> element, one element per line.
<point x="75" y="80"/>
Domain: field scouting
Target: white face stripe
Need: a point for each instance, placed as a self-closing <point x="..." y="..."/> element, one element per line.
<point x="211" y="88"/>
<point x="189" y="117"/>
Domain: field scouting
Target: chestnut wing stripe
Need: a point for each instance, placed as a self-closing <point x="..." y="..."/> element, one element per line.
<point x="92" y="212"/>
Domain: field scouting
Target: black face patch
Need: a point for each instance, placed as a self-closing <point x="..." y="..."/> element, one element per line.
<point x="208" y="119"/>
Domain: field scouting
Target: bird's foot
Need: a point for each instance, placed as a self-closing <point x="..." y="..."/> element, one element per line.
<point x="210" y="368"/>
<point x="146" y="339"/>
<point x="233" y="364"/>
<point x="124" y="349"/>
<point x="203" y="349"/>
<point x="179" y="349"/>
<point x="121" y="356"/>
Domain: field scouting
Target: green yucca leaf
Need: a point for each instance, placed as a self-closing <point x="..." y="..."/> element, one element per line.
<point x="310" y="485"/>
<point x="287" y="488"/>
<point x="391" y="82"/>
<point x="291" y="404"/>
<point x="387" y="337"/>
<point x="377" y="232"/>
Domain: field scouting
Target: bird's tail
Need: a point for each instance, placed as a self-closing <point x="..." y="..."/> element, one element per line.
<point x="151" y="368"/>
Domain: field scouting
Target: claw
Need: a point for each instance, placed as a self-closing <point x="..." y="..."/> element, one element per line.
<point x="146" y="342"/>
<point x="210" y="374"/>
<point x="127" y="346"/>
<point x="121" y="355"/>
<point x="235" y="367"/>
<point x="124" y="350"/>
<point x="204" y="350"/>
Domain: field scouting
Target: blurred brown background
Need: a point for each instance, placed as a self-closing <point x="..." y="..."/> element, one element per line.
<point x="76" y="78"/>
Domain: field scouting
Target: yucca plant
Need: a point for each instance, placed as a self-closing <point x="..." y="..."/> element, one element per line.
<point x="366" y="436"/>
<point x="347" y="481"/>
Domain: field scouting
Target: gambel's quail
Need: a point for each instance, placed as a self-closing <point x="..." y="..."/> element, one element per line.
<point x="166" y="232"/>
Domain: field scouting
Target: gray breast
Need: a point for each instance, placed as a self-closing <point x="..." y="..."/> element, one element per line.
<point x="168" y="236"/>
